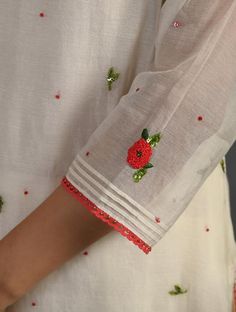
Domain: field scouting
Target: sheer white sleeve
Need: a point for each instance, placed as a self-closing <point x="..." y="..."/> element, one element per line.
<point x="142" y="166"/>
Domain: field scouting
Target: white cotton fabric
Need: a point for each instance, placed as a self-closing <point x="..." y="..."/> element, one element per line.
<point x="182" y="73"/>
<point x="192" y="75"/>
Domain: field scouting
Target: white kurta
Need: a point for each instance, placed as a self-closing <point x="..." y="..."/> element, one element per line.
<point x="177" y="76"/>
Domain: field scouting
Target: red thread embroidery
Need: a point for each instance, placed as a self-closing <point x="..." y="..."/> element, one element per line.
<point x="176" y="24"/>
<point x="158" y="220"/>
<point x="87" y="153"/>
<point x="104" y="216"/>
<point x="199" y="118"/>
<point x="85" y="253"/>
<point x="33" y="304"/>
<point x="139" y="154"/>
<point x="57" y="96"/>
<point x="41" y="14"/>
<point x="26" y="192"/>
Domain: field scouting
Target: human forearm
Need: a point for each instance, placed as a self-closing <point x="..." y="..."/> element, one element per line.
<point x="5" y="299"/>
<point x="55" y="231"/>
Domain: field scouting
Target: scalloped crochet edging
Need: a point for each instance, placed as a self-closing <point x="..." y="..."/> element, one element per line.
<point x="104" y="216"/>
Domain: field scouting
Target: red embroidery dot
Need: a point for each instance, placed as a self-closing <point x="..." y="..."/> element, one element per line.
<point x="33" y="304"/>
<point x="207" y="229"/>
<point x="176" y="24"/>
<point x="41" y="14"/>
<point x="137" y="89"/>
<point x="85" y="253"/>
<point x="57" y="96"/>
<point x="87" y="153"/>
<point x="199" y="118"/>
<point x="26" y="192"/>
<point x="158" y="220"/>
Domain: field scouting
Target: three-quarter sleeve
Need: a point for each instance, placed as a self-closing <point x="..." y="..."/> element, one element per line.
<point x="145" y="162"/>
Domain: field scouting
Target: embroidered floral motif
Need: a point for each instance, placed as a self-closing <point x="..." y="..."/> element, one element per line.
<point x="178" y="290"/>
<point x="222" y="163"/>
<point x="1" y="203"/>
<point x="112" y="75"/>
<point x="140" y="153"/>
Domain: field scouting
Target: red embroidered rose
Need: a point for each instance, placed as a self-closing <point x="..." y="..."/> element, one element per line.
<point x="139" y="153"/>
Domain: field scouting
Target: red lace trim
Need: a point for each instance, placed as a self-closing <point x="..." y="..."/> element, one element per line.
<point x="104" y="216"/>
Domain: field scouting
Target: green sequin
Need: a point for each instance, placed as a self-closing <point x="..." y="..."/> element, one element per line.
<point x="222" y="163"/>
<point x="154" y="139"/>
<point x="1" y="203"/>
<point x="137" y="176"/>
<point x="178" y="290"/>
<point x="112" y="76"/>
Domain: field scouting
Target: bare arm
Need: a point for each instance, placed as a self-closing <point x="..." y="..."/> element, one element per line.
<point x="52" y="234"/>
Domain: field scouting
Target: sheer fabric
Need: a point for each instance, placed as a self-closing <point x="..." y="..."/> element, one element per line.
<point x="183" y="104"/>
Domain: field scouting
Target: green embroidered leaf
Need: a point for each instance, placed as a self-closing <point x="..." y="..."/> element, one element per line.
<point x="222" y="162"/>
<point x="116" y="76"/>
<point x="177" y="288"/>
<point x="111" y="77"/>
<point x="110" y="71"/>
<point x="154" y="139"/>
<point x="149" y="165"/>
<point x="145" y="134"/>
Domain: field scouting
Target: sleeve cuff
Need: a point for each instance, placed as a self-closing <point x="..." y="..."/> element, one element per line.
<point x="105" y="217"/>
